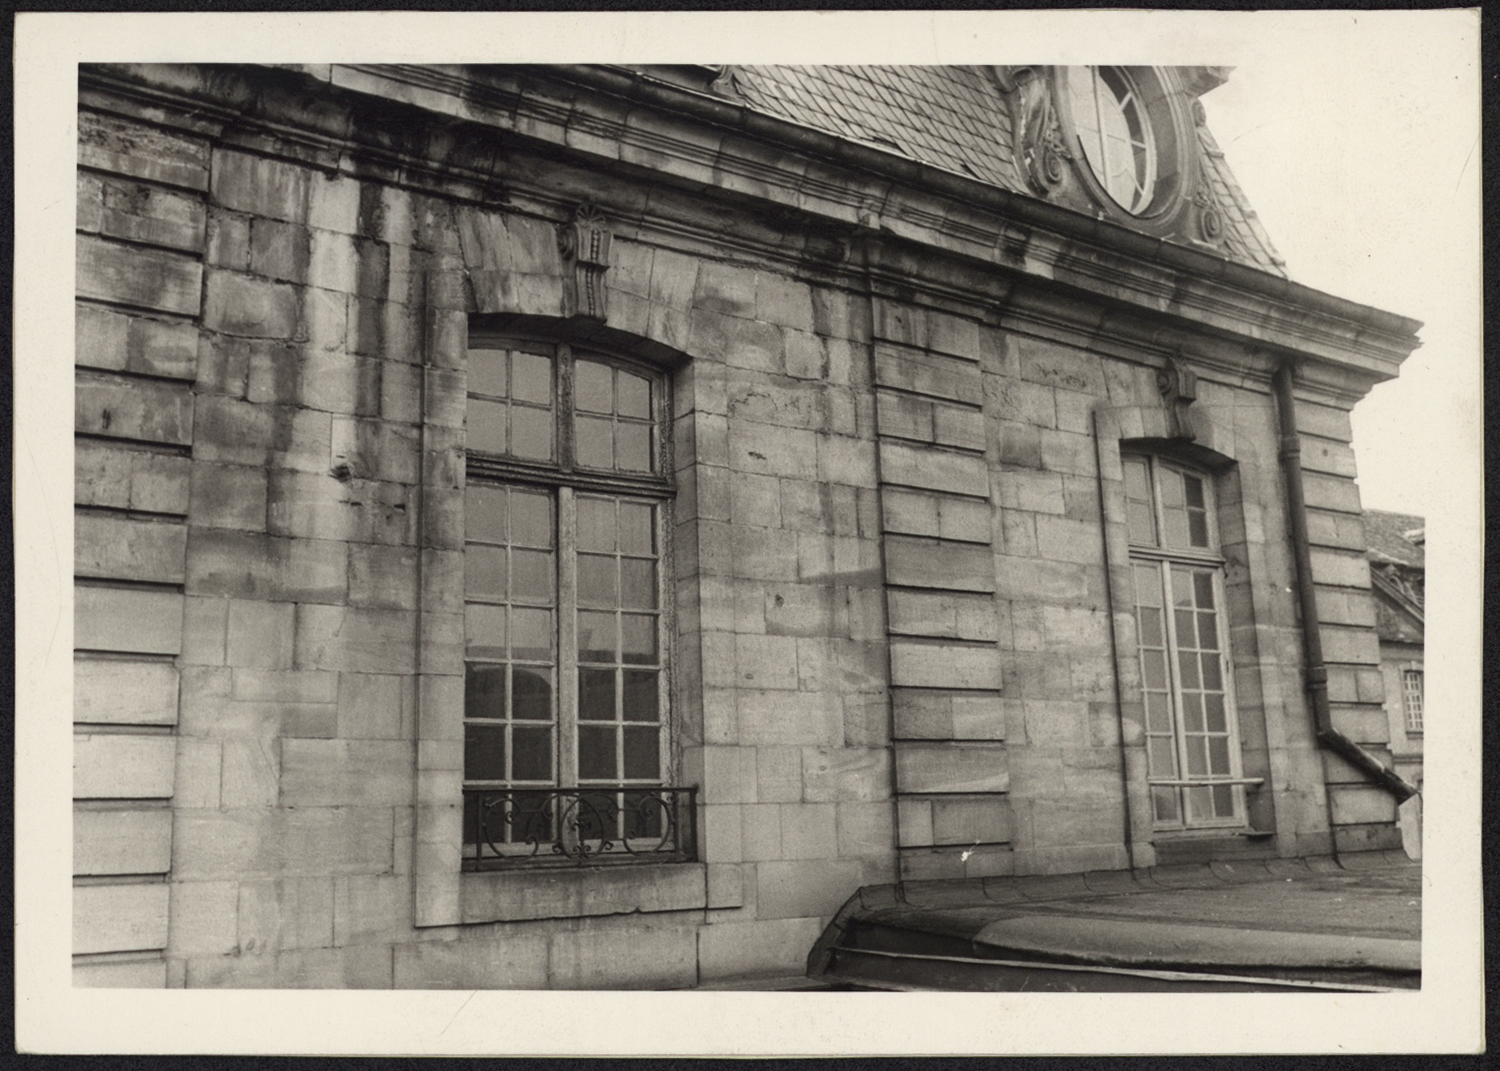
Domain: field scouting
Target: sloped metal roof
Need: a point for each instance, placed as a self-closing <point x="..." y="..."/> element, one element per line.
<point x="1389" y="537"/>
<point x="954" y="118"/>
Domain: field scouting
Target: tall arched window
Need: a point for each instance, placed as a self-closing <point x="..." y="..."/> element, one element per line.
<point x="568" y="485"/>
<point x="1192" y="739"/>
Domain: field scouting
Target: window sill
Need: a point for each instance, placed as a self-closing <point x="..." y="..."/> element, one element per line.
<point x="581" y="892"/>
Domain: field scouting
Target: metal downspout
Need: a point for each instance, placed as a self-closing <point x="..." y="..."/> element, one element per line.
<point x="1312" y="638"/>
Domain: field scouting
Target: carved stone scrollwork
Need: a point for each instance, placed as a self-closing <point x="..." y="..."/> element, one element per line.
<point x="1039" y="141"/>
<point x="585" y="245"/>
<point x="1210" y="222"/>
<point x="1179" y="390"/>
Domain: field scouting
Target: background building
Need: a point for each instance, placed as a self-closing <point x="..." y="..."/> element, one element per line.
<point x="1398" y="574"/>
<point x="576" y="526"/>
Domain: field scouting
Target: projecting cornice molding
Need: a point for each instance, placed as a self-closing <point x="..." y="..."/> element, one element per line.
<point x="490" y="130"/>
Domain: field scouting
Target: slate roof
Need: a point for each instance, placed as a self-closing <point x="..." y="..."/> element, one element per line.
<point x="1386" y="534"/>
<point x="956" y="119"/>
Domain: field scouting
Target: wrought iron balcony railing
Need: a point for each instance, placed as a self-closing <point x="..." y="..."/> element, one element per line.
<point x="599" y="824"/>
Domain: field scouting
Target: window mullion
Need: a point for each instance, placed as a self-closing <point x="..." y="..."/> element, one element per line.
<point x="567" y="638"/>
<point x="1174" y="682"/>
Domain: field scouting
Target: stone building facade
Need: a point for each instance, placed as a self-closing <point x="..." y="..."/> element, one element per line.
<point x="783" y="474"/>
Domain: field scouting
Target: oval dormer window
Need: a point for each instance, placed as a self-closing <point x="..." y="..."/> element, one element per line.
<point x="1113" y="128"/>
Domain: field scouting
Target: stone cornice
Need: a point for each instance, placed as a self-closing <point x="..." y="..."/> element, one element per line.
<point x="629" y="124"/>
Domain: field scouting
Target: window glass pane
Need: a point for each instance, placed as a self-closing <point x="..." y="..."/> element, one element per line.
<point x="531" y="433"/>
<point x="639" y="700"/>
<point x="531" y="378"/>
<point x="484" y="631"/>
<point x="1213" y="680"/>
<point x="634" y="442"/>
<point x="530" y="519"/>
<point x="1170" y="483"/>
<point x="1218" y="755"/>
<point x="531" y="694"/>
<point x="1185" y="620"/>
<point x="1147" y="585"/>
<point x="1208" y="632"/>
<point x="596" y="580"/>
<point x="1154" y="665"/>
<point x="594" y="446"/>
<point x="1199" y="804"/>
<point x="596" y="753"/>
<point x="637" y="532"/>
<point x="634" y="395"/>
<point x="1137" y="484"/>
<point x="639" y="636"/>
<point x="1164" y="801"/>
<point x="1182" y="586"/>
<point x="531" y="634"/>
<point x="1197" y="757"/>
<point x="1213" y="706"/>
<point x="484" y="691"/>
<point x="532" y="754"/>
<point x="596" y="694"/>
<point x="596" y="524"/>
<point x="642" y="752"/>
<point x="1203" y="588"/>
<point x="1192" y="487"/>
<point x="486" y="426"/>
<point x="593" y="389"/>
<point x="1223" y="796"/>
<point x="637" y="583"/>
<point x="1175" y="521"/>
<point x="1141" y="523"/>
<point x="1187" y="664"/>
<point x="531" y="574"/>
<point x="484" y="752"/>
<point x="1150" y="626"/>
<point x="1197" y="529"/>
<point x="1163" y="758"/>
<point x="596" y="638"/>
<point x="1158" y="713"/>
<point x="484" y="513"/>
<point x="484" y="572"/>
<point x="487" y="372"/>
<point x="1192" y="712"/>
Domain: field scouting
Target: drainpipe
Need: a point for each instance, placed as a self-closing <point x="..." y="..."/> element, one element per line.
<point x="1312" y="638"/>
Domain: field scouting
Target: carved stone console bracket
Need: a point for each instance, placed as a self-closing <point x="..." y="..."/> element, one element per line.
<point x="585" y="243"/>
<point x="1179" y="390"/>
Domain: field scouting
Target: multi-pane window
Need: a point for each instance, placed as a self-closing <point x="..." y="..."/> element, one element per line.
<point x="1411" y="699"/>
<point x="1191" y="740"/>
<point x="565" y="517"/>
<point x="1114" y="132"/>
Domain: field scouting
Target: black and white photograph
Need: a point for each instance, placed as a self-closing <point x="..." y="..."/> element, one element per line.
<point x="880" y="537"/>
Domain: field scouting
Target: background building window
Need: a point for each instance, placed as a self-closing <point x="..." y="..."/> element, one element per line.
<point x="564" y="526"/>
<point x="1411" y="699"/>
<point x="1191" y="737"/>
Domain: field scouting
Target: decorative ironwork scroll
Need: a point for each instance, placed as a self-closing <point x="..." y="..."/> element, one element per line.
<point x="526" y="826"/>
<point x="585" y="244"/>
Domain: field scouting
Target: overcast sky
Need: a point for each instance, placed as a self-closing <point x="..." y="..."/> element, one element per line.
<point x="1364" y="168"/>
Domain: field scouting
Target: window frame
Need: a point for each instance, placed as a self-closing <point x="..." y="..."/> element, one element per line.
<point x="1161" y="557"/>
<point x="564" y="480"/>
<point x="1408" y="673"/>
<point x="1093" y="127"/>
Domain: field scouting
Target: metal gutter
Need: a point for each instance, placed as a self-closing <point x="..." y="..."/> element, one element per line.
<point x="634" y="85"/>
<point x="1312" y="637"/>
